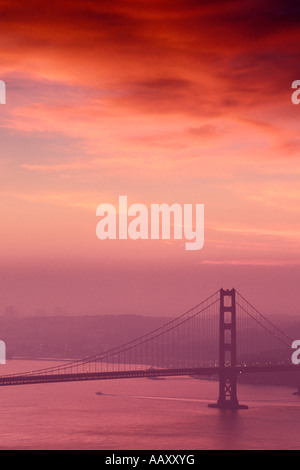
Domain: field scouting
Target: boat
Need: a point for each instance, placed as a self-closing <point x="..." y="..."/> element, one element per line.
<point x="156" y="378"/>
<point x="99" y="393"/>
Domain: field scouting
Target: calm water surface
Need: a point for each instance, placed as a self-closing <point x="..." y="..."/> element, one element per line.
<point x="143" y="414"/>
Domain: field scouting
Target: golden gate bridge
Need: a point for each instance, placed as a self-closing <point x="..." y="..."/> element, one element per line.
<point x="223" y="336"/>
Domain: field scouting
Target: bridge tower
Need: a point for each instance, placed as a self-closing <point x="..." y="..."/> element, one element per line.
<point x="228" y="353"/>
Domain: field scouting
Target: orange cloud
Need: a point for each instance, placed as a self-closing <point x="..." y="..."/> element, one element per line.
<point x="176" y="100"/>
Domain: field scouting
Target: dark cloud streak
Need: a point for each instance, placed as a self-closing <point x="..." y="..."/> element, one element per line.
<point x="159" y="52"/>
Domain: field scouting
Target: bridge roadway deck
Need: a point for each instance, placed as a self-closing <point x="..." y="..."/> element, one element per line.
<point x="32" y="379"/>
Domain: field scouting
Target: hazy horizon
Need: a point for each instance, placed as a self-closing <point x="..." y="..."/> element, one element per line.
<point x="78" y="289"/>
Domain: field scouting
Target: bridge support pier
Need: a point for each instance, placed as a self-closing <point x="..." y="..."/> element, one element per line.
<point x="228" y="354"/>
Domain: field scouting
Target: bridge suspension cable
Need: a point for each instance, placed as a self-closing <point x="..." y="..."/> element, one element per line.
<point x="264" y="322"/>
<point x="260" y="341"/>
<point x="182" y="346"/>
<point x="189" y="342"/>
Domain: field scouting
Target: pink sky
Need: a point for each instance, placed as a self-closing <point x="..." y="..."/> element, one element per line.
<point x="174" y="101"/>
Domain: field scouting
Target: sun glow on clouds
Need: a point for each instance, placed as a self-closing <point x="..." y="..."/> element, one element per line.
<point x="180" y="101"/>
